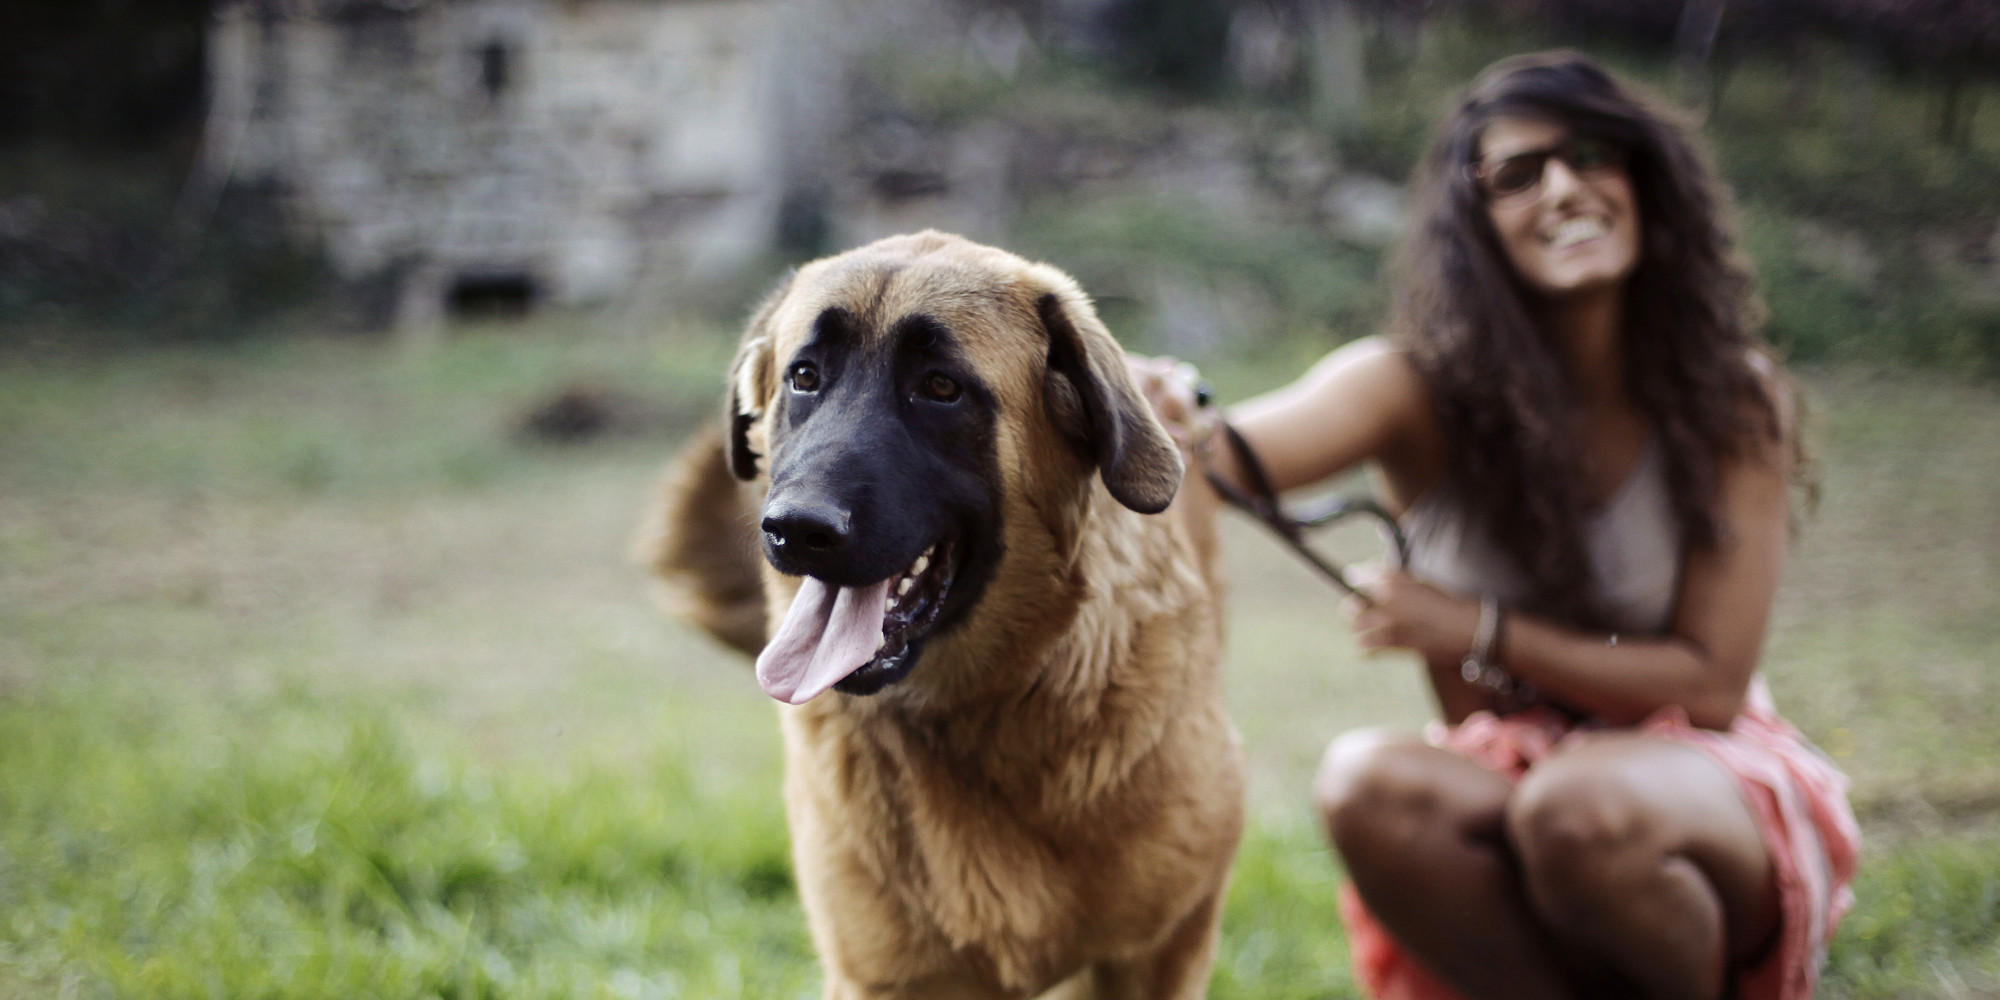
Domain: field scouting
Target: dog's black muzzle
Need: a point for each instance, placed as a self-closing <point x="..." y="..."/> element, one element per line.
<point x="855" y="498"/>
<point x="871" y="485"/>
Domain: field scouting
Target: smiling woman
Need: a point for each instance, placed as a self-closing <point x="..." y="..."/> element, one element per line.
<point x="1591" y="453"/>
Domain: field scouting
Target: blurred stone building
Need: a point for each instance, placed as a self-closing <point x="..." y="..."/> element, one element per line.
<point x="461" y="152"/>
<point x="506" y="151"/>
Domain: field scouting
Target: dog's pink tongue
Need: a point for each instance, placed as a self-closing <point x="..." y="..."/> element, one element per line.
<point x="828" y="633"/>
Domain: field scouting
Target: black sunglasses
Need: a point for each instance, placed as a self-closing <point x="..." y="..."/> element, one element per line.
<point x="1522" y="173"/>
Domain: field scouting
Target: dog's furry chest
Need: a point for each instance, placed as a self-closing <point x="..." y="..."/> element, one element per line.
<point x="914" y="864"/>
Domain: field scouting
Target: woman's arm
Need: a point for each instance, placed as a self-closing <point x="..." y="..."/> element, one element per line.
<point x="1703" y="665"/>
<point x="1363" y="401"/>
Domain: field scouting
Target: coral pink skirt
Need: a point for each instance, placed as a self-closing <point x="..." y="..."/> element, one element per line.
<point x="1798" y="796"/>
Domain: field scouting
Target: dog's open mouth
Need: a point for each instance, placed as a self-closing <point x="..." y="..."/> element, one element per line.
<point x="859" y="638"/>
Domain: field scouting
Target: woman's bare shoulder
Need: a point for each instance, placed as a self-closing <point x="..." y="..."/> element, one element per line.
<point x="1377" y="350"/>
<point x="1363" y="401"/>
<point x="1376" y="371"/>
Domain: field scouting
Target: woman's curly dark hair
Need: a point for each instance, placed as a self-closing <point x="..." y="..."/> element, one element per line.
<point x="1507" y="402"/>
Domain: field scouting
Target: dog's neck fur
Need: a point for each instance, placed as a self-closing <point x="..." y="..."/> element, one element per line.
<point x="1022" y="739"/>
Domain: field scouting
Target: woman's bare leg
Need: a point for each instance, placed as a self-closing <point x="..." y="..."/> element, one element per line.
<point x="1421" y="832"/>
<point x="1641" y="852"/>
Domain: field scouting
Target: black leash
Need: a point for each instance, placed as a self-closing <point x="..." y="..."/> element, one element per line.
<point x="1261" y="502"/>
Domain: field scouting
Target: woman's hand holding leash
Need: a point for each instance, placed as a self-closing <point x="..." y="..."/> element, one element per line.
<point x="1179" y="399"/>
<point x="1234" y="472"/>
<point x="1404" y="612"/>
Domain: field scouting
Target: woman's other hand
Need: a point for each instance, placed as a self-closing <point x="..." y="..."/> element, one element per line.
<point x="1171" y="387"/>
<point x="1403" y="612"/>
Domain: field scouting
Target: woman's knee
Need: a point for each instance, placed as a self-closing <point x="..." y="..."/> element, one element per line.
<point x="1379" y="790"/>
<point x="1361" y="786"/>
<point x="1583" y="833"/>
<point x="1625" y="821"/>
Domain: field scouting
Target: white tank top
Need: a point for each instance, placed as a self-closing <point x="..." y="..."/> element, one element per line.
<point x="1634" y="543"/>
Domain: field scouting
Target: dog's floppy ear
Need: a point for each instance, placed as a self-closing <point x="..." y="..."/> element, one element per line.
<point x="749" y="383"/>
<point x="1115" y="428"/>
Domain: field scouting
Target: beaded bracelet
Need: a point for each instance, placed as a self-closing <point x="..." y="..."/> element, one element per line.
<point x="1480" y="667"/>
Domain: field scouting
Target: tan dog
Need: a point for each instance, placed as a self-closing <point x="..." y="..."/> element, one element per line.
<point x="1008" y="766"/>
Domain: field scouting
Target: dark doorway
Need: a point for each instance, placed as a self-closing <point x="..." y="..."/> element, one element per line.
<point x="509" y="295"/>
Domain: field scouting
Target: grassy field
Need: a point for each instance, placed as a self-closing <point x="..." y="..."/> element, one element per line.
<point x="318" y="680"/>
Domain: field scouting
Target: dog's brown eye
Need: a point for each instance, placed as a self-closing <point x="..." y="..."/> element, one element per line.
<point x="940" y="387"/>
<point x="804" y="377"/>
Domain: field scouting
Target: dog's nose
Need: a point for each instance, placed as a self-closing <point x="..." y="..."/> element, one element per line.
<point x="806" y="528"/>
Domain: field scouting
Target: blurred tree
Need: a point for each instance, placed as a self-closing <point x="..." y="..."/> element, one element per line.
<point x="1339" y="77"/>
<point x="1955" y="41"/>
<point x="1181" y="45"/>
<point x="118" y="73"/>
<point x="1952" y="42"/>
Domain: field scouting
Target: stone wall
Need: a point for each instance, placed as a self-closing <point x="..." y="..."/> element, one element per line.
<point x="646" y="151"/>
<point x="576" y="151"/>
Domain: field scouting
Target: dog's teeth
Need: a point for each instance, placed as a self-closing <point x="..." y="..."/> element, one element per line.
<point x="904" y="587"/>
<point x="889" y="604"/>
<point x="923" y="563"/>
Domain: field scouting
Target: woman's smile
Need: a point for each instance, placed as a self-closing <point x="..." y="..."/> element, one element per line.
<point x="1571" y="232"/>
<point x="1572" y="229"/>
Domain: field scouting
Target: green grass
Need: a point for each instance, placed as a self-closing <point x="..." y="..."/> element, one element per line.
<point x="302" y="846"/>
<point x="397" y="729"/>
